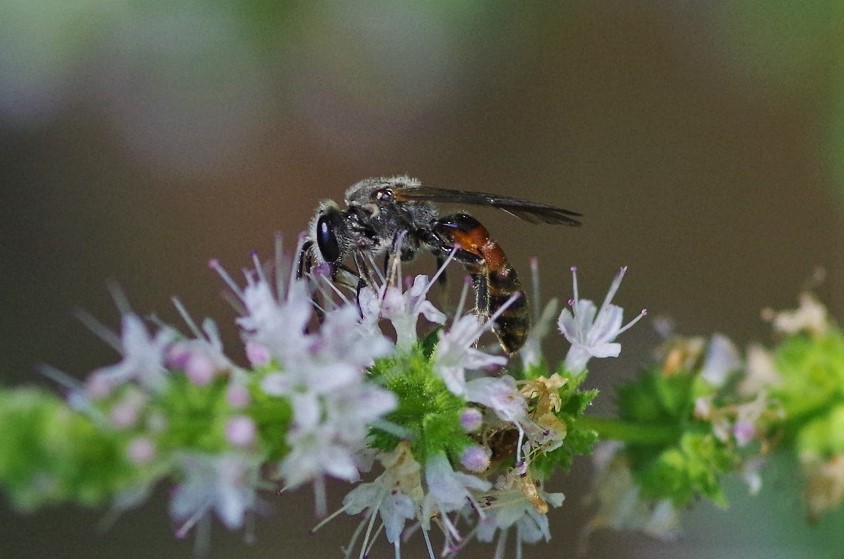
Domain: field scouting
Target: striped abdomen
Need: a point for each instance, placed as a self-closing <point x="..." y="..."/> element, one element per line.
<point x="495" y="280"/>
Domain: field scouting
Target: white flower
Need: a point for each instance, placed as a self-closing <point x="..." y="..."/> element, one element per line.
<point x="751" y="473"/>
<point x="351" y="411"/>
<point x="334" y="357"/>
<point x="393" y="507"/>
<point x="277" y="319"/>
<point x="143" y="357"/>
<point x="448" y="491"/>
<point x="201" y="358"/>
<point x="511" y="507"/>
<point x="620" y="505"/>
<point x="503" y="397"/>
<point x="328" y="432"/>
<point x="314" y="453"/>
<point x="225" y="484"/>
<point x="810" y="316"/>
<point x="394" y="497"/>
<point x="531" y="352"/>
<point x="321" y="372"/>
<point x="401" y="309"/>
<point x="761" y="372"/>
<point x="500" y="395"/>
<point x="722" y="358"/>
<point x="748" y="418"/>
<point x="592" y="331"/>
<point x="278" y="325"/>
<point x="332" y="402"/>
<point x="455" y="353"/>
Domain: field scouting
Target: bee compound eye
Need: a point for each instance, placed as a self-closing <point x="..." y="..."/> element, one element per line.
<point x="328" y="225"/>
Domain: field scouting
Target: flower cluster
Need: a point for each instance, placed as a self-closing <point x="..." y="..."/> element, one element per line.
<point x="439" y="434"/>
<point x="804" y="371"/>
<point x="465" y="443"/>
<point x="684" y="427"/>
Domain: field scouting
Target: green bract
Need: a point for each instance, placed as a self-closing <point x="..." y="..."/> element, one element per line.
<point x="427" y="411"/>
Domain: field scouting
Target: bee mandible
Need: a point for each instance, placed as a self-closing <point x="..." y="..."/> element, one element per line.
<point x="399" y="214"/>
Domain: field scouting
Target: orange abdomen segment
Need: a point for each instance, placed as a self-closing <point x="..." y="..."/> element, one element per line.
<point x="496" y="281"/>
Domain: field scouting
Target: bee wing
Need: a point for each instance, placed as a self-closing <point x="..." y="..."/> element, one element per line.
<point x="523" y="209"/>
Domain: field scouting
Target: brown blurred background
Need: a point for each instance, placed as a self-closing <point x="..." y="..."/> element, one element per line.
<point x="702" y="141"/>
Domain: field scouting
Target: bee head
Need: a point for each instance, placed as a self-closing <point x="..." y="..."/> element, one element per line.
<point x="330" y="231"/>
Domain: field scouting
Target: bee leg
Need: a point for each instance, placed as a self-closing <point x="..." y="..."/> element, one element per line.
<point x="305" y="261"/>
<point x="481" y="296"/>
<point x="364" y="270"/>
<point x="365" y="276"/>
<point x="361" y="284"/>
<point x="443" y="279"/>
<point x="477" y="268"/>
<point x="307" y="268"/>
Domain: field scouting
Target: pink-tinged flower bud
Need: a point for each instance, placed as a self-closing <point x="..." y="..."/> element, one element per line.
<point x="200" y="369"/>
<point x="476" y="458"/>
<point x="238" y="396"/>
<point x="124" y="415"/>
<point x="98" y="387"/>
<point x="744" y="432"/>
<point x="471" y="419"/>
<point x="241" y="431"/>
<point x="127" y="411"/>
<point x="177" y="356"/>
<point x="257" y="354"/>
<point x="141" y="450"/>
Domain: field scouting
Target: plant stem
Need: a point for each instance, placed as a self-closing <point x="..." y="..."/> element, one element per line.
<point x="637" y="433"/>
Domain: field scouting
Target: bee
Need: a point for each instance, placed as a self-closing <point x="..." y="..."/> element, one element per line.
<point x="399" y="215"/>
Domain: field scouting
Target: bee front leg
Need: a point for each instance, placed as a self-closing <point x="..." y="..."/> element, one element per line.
<point x="477" y="268"/>
<point x="443" y="279"/>
<point x="305" y="261"/>
<point x="365" y="277"/>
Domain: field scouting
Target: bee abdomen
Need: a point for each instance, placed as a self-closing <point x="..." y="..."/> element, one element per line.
<point x="495" y="279"/>
<point x="513" y="324"/>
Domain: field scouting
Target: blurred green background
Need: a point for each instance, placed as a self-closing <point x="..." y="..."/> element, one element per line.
<point x="703" y="142"/>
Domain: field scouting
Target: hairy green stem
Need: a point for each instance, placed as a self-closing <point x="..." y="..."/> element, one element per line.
<point x="636" y="433"/>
